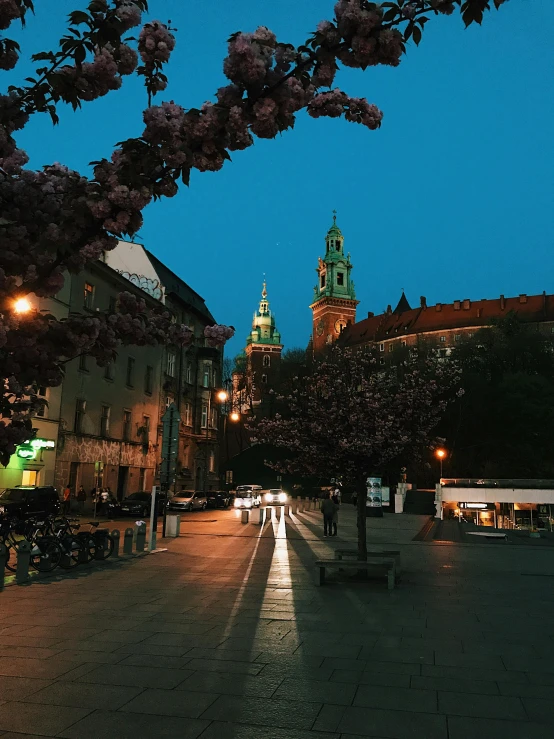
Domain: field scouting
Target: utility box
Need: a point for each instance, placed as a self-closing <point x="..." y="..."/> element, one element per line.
<point x="173" y="526"/>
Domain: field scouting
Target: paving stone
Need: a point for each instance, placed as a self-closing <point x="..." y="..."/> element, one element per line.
<point x="17" y="688"/>
<point x="121" y="637"/>
<point x="458" y="685"/>
<point x="316" y="691"/>
<point x="486" y="706"/>
<point x="230" y="684"/>
<point x="329" y="718"/>
<point x="539" y="710"/>
<point x="393" y="724"/>
<point x="396" y="668"/>
<point x="154" y="649"/>
<point x="217" y="665"/>
<point x="81" y="695"/>
<point x="27" y="718"/>
<point x="170" y="703"/>
<point x="220" y="730"/>
<point x="527" y="690"/>
<point x="156" y="660"/>
<point x="462" y="727"/>
<point x="142" y="677"/>
<point x="395" y="698"/>
<point x="421" y="656"/>
<point x="371" y="678"/>
<point x="132" y="725"/>
<point x="486" y="661"/>
<point x="233" y="655"/>
<point x="41" y="668"/>
<point x="271" y="713"/>
<point x="473" y="673"/>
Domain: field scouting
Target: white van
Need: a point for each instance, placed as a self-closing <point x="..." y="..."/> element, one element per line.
<point x="248" y="496"/>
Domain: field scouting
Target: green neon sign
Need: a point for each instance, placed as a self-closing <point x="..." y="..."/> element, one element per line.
<point x="30" y="449"/>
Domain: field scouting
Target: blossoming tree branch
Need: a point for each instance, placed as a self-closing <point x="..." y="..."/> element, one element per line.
<point x="55" y="220"/>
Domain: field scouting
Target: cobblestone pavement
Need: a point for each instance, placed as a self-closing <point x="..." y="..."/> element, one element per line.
<point x="226" y="636"/>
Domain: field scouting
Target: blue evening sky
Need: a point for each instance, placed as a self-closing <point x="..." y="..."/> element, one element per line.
<point x="452" y="198"/>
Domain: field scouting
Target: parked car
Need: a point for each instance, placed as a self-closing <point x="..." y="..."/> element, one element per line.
<point x="25" y="501"/>
<point x="276" y="497"/>
<point x="217" y="499"/>
<point x="187" y="501"/>
<point x="250" y="495"/>
<point x="140" y="504"/>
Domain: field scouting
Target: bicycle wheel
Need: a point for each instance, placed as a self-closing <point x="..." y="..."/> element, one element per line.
<point x="88" y="543"/>
<point x="46" y="554"/>
<point x="72" y="548"/>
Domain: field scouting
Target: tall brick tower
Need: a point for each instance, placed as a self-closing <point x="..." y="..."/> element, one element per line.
<point x="334" y="304"/>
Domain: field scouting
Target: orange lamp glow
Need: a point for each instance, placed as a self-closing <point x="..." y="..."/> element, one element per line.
<point x="22" y="305"/>
<point x="222" y="396"/>
<point x="234" y="416"/>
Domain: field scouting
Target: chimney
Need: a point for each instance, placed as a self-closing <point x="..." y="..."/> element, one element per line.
<point x="389" y="310"/>
<point x="502" y="302"/>
<point x="456" y="305"/>
<point x="523" y="298"/>
<point x="423" y="302"/>
<point x="370" y="314"/>
<point x="467" y="304"/>
<point x="438" y="307"/>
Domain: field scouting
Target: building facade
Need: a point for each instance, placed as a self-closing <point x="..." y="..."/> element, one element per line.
<point x="103" y="424"/>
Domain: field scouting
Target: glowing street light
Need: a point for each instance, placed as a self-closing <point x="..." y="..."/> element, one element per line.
<point x="234" y="416"/>
<point x="441" y="454"/>
<point x="222" y="396"/>
<point x="22" y="305"/>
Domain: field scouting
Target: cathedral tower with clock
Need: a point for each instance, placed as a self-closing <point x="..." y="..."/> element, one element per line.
<point x="334" y="304"/>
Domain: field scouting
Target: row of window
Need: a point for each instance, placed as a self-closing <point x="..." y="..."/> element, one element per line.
<point x="442" y="339"/>
<point x="127" y="430"/>
<point x="209" y="376"/>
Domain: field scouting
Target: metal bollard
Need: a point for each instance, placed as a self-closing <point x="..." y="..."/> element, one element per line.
<point x="23" y="561"/>
<point x="116" y="535"/>
<point x="279" y="512"/>
<point x="141" y="536"/>
<point x="261" y="516"/>
<point x="302" y="504"/>
<point x="128" y="541"/>
<point x="3" y="559"/>
<point x="287" y="510"/>
<point x="295" y="506"/>
<point x="245" y="515"/>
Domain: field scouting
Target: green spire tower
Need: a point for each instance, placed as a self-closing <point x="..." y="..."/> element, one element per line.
<point x="263" y="351"/>
<point x="334" y="304"/>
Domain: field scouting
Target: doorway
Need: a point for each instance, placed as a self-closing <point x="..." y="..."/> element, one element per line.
<point x="73" y="474"/>
<point x="122" y="482"/>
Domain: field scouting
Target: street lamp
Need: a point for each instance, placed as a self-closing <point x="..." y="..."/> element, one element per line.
<point x="222" y="396"/>
<point x="22" y="305"/>
<point x="234" y="416"/>
<point x="440" y="454"/>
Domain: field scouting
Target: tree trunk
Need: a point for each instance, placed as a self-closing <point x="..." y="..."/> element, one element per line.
<point x="361" y="516"/>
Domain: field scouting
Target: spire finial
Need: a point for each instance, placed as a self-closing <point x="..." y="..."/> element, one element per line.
<point x="264" y="289"/>
<point x="334" y="216"/>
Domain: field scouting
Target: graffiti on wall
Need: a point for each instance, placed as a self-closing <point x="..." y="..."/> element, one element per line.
<point x="147" y="284"/>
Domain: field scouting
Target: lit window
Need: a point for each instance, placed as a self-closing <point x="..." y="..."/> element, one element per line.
<point x="403" y="343"/>
<point x="381" y="347"/>
<point x="88" y="295"/>
<point x="204" y="421"/>
<point x="130" y="371"/>
<point x="171" y="364"/>
<point x="105" y="421"/>
<point x="443" y="339"/>
<point x="340" y="278"/>
<point x="168" y="401"/>
<point x="264" y="378"/>
<point x="149" y="380"/>
<point x="212" y="462"/>
<point x="188" y="414"/>
<point x="213" y="417"/>
<point x="80" y="408"/>
<point x="206" y="376"/>
<point x="391" y="347"/>
<point x="267" y="360"/>
<point x="457" y="337"/>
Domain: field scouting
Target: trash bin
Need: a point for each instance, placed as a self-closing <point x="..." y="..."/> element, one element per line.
<point x="245" y="516"/>
<point x="173" y="526"/>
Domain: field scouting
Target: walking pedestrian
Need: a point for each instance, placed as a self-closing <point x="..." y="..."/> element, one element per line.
<point x="66" y="499"/>
<point x="336" y="501"/>
<point x="328" y="510"/>
<point x="105" y="502"/>
<point x="81" y="499"/>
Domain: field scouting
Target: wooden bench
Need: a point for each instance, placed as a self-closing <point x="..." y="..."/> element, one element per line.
<point x="380" y="565"/>
<point x="342" y="554"/>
